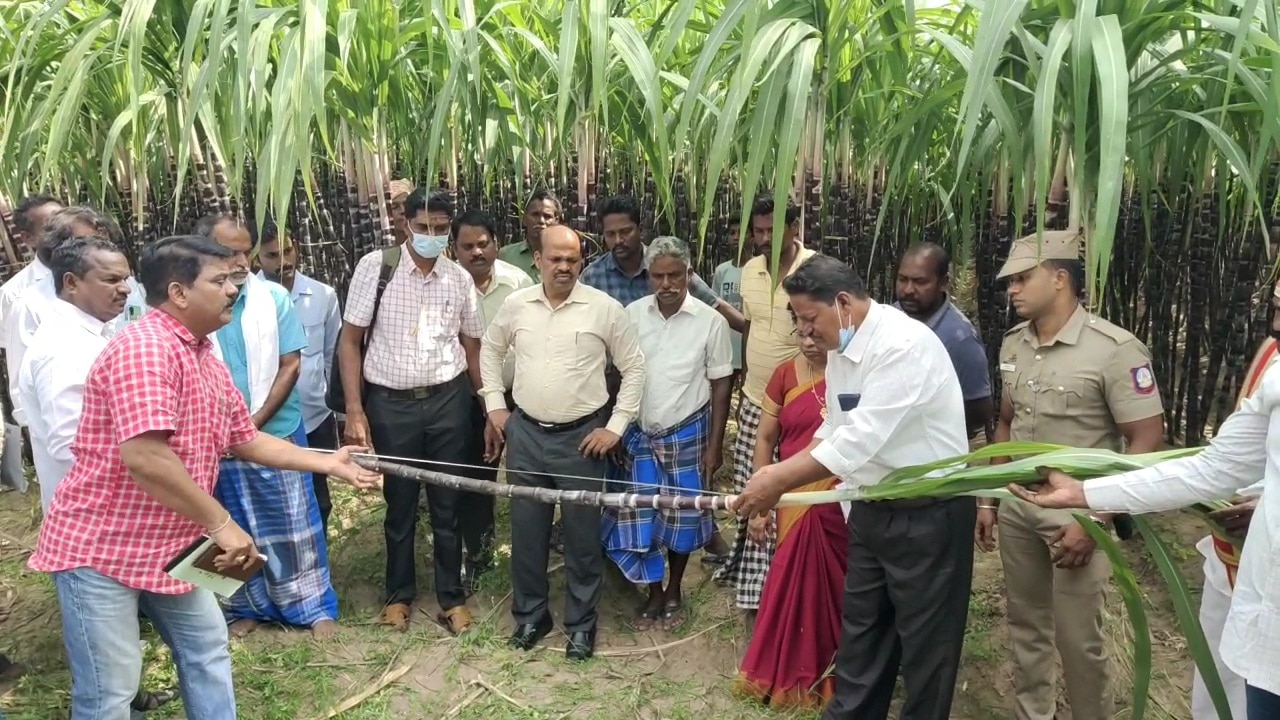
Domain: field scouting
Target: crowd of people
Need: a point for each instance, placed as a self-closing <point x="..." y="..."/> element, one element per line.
<point x="206" y="398"/>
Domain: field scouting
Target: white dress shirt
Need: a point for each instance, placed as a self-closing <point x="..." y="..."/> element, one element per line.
<point x="1246" y="447"/>
<point x="682" y="354"/>
<point x="13" y="288"/>
<point x="28" y="311"/>
<point x="317" y="308"/>
<point x="51" y="385"/>
<point x="893" y="401"/>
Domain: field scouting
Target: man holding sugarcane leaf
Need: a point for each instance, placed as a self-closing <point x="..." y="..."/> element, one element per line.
<point x="1070" y="378"/>
<point x="894" y="401"/>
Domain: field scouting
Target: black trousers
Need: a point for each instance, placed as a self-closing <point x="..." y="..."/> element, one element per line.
<point x="324" y="437"/>
<point x="475" y="510"/>
<point x="906" y="601"/>
<point x="537" y="457"/>
<point x="436" y="427"/>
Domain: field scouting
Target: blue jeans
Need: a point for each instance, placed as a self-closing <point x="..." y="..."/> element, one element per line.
<point x="100" y="630"/>
<point x="1261" y="705"/>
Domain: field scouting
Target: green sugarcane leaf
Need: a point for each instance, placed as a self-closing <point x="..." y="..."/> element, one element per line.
<point x="1131" y="594"/>
<point x="1188" y="617"/>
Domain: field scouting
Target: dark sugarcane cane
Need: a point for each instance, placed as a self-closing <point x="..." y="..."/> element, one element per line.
<point x="546" y="495"/>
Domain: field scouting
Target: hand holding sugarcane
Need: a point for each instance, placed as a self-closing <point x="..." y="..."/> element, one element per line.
<point x="1235" y="518"/>
<point x="761" y="494"/>
<point x="1059" y="491"/>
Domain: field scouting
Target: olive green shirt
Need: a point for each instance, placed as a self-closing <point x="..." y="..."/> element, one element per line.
<point x="519" y="254"/>
<point x="1079" y="387"/>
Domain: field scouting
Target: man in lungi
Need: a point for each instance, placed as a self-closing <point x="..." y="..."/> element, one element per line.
<point x="768" y="341"/>
<point x="262" y="346"/>
<point x="677" y="441"/>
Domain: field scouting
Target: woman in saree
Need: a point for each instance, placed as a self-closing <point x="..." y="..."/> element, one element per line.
<point x="798" y="625"/>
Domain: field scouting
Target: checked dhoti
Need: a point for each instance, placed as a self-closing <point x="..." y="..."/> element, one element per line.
<point x="746" y="567"/>
<point x="668" y="462"/>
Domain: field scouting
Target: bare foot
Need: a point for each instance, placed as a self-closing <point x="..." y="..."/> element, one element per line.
<point x="324" y="630"/>
<point x="672" y="615"/>
<point x="242" y="627"/>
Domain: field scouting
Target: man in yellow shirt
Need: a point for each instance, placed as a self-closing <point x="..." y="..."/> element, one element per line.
<point x="768" y="341"/>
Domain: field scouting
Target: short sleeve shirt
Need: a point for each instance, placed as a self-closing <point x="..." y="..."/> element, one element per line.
<point x="772" y="340"/>
<point x="154" y="377"/>
<point x="605" y="276"/>
<point x="727" y="284"/>
<point x="968" y="352"/>
<point x="292" y="339"/>
<point x="1078" y="388"/>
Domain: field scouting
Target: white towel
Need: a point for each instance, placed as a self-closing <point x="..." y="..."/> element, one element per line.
<point x="261" y="331"/>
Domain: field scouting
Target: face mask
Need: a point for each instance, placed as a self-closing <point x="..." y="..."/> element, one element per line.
<point x="429" y="246"/>
<point x="846" y="333"/>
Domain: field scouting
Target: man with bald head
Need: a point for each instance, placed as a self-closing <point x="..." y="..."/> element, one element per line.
<point x="562" y="334"/>
<point x="924" y="277"/>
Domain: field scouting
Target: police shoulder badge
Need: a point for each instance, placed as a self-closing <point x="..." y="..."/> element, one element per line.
<point x="1144" y="381"/>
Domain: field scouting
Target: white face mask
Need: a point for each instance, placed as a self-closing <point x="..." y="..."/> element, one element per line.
<point x="429" y="246"/>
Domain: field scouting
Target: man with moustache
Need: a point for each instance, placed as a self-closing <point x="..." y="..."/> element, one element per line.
<point x="560" y="333"/>
<point x="540" y="212"/>
<point x="262" y="347"/>
<point x="159" y="411"/>
<point x="475" y="246"/>
<point x="894" y="401"/>
<point x="924" y="275"/>
<point x="316" y="306"/>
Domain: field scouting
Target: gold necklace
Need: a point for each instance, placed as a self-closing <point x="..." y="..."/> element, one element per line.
<point x="822" y="402"/>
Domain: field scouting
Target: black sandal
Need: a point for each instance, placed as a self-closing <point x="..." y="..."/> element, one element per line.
<point x="146" y="701"/>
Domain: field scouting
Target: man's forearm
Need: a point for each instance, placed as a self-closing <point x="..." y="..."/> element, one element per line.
<point x="471" y="347"/>
<point x="349" y="362"/>
<point x="160" y="474"/>
<point x="271" y="451"/>
<point x="721" y="393"/>
<point x="286" y="378"/>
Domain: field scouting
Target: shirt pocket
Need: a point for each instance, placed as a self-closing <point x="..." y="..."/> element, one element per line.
<point x="315" y="339"/>
<point x="1061" y="398"/>
<point x="568" y="349"/>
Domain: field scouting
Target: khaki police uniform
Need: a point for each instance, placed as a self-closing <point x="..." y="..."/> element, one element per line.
<point x="1074" y="390"/>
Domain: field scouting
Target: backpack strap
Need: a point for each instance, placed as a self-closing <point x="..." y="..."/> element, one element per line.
<point x="390" y="260"/>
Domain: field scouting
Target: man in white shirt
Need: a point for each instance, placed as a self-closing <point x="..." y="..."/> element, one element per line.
<point x="90" y="281"/>
<point x="895" y="402"/>
<point x="30" y="217"/>
<point x="28" y="310"/>
<point x="316" y="306"/>
<point x="1243" y="450"/>
<point x="677" y="442"/>
<point x="473" y="238"/>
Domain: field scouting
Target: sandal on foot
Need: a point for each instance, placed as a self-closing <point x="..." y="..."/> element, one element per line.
<point x="456" y="620"/>
<point x="672" y="615"/>
<point x="646" y="618"/>
<point x="395" y="615"/>
<point x="146" y="701"/>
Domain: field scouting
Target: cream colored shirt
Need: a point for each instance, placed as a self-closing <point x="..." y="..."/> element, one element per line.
<point x="682" y="355"/>
<point x="561" y="354"/>
<point x="771" y="341"/>
<point x="504" y="279"/>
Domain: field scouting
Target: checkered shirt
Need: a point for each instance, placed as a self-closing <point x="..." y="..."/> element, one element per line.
<point x="155" y="376"/>
<point x="604" y="275"/>
<point x="415" y="340"/>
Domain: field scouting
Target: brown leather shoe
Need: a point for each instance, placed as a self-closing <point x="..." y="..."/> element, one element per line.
<point x="456" y="620"/>
<point x="395" y="615"/>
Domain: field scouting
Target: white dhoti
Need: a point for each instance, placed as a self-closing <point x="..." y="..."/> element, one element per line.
<point x="1215" y="602"/>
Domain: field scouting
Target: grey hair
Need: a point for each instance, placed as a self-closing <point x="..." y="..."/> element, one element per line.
<point x="61" y="228"/>
<point x="667" y="246"/>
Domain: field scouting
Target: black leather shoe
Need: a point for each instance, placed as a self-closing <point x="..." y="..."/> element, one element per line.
<point x="527" y="635"/>
<point x="581" y="646"/>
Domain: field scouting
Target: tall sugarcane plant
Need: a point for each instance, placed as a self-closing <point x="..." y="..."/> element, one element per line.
<point x="1152" y="124"/>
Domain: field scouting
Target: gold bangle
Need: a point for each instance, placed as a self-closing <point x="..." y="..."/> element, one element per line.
<point x="224" y="524"/>
<point x="992" y="506"/>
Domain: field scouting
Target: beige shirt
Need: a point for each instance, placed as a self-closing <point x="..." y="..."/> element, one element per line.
<point x="504" y="279"/>
<point x="682" y="355"/>
<point x="1078" y="388"/>
<point x="771" y="341"/>
<point x="415" y="341"/>
<point x="561" y="354"/>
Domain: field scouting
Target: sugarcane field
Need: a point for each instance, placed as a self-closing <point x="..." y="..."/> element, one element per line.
<point x="654" y="359"/>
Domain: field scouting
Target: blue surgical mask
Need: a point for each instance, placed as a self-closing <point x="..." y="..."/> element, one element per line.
<point x="429" y="246"/>
<point x="846" y="333"/>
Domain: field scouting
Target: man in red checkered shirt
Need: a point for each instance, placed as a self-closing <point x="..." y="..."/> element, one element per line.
<point x="159" y="412"/>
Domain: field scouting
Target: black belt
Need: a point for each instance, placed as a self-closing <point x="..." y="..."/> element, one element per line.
<point x="563" y="426"/>
<point x="416" y="393"/>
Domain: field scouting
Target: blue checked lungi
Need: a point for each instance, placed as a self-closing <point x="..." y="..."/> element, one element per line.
<point x="668" y="463"/>
<point x="278" y="509"/>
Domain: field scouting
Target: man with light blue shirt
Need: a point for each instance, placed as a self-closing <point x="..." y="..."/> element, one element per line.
<point x="262" y="346"/>
<point x="316" y="305"/>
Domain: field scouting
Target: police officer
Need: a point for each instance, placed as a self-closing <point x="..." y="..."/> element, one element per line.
<point x="1074" y="379"/>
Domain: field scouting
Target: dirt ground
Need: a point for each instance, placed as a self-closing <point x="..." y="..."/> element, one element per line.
<point x="688" y="673"/>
